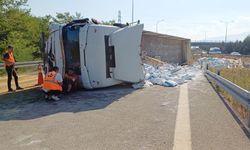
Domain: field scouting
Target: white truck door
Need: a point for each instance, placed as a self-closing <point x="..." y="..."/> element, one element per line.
<point x="126" y="44"/>
<point x="54" y="50"/>
<point x="58" y="51"/>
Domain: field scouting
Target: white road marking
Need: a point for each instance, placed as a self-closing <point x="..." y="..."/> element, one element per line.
<point x="182" y="137"/>
<point x="34" y="142"/>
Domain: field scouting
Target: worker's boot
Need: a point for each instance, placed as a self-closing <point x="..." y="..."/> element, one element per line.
<point x="56" y="98"/>
<point x="19" y="88"/>
<point x="10" y="90"/>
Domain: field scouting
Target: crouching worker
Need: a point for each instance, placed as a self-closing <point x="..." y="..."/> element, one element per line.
<point x="71" y="81"/>
<point x="52" y="85"/>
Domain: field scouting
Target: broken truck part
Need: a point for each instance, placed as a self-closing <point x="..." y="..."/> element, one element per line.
<point x="102" y="55"/>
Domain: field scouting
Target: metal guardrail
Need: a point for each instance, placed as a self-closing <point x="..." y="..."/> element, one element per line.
<point x="22" y="64"/>
<point x="241" y="95"/>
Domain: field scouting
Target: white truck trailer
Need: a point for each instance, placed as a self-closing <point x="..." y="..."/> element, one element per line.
<point x="102" y="55"/>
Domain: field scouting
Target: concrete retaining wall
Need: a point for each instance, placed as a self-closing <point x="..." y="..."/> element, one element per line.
<point x="166" y="48"/>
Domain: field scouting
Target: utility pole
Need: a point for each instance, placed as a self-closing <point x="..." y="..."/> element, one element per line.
<point x="158" y="23"/>
<point x="119" y="17"/>
<point x="132" y="12"/>
<point x="226" y="23"/>
<point x="226" y="32"/>
<point x="205" y="36"/>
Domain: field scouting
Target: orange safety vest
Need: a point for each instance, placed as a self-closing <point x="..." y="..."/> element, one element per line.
<point x="50" y="82"/>
<point x="11" y="60"/>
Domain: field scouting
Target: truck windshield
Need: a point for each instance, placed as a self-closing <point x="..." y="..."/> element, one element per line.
<point x="71" y="48"/>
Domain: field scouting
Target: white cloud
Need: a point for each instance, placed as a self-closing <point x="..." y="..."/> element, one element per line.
<point x="244" y="18"/>
<point x="209" y="30"/>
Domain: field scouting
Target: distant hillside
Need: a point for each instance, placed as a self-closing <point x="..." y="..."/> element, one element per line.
<point x="232" y="37"/>
<point x="206" y="45"/>
<point x="242" y="46"/>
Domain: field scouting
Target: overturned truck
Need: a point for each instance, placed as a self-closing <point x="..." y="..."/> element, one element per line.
<point x="101" y="55"/>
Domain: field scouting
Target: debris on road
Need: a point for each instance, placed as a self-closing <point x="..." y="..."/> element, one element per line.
<point x="168" y="75"/>
<point x="143" y="84"/>
<point x="220" y="63"/>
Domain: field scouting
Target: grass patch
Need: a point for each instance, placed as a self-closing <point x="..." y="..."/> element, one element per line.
<point x="212" y="70"/>
<point x="240" y="109"/>
<point x="239" y="76"/>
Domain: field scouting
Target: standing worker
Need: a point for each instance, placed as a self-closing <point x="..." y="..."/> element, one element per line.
<point x="9" y="61"/>
<point x="52" y="85"/>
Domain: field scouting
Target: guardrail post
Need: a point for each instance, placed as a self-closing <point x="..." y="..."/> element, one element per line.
<point x="248" y="120"/>
<point x="218" y="72"/>
<point x="207" y="67"/>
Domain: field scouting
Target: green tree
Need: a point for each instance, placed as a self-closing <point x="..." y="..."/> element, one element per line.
<point x="10" y="4"/>
<point x="239" y="46"/>
<point x="246" y="47"/>
<point x="20" y="29"/>
<point x="111" y="22"/>
<point x="66" y="17"/>
<point x="6" y="7"/>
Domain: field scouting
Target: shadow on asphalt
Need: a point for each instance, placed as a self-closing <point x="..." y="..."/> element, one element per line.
<point x="30" y="104"/>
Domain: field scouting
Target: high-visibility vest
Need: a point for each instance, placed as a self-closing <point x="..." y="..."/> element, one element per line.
<point x="50" y="82"/>
<point x="10" y="60"/>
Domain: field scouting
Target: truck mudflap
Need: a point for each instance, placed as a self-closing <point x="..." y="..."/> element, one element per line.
<point x="126" y="45"/>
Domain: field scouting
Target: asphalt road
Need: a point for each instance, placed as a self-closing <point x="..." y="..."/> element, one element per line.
<point x="121" y="118"/>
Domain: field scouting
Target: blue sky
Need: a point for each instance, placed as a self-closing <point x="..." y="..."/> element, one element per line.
<point x="194" y="19"/>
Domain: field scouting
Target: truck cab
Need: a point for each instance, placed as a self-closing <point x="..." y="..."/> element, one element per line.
<point x="101" y="55"/>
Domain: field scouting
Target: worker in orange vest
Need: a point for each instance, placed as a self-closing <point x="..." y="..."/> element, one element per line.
<point x="52" y="85"/>
<point x="9" y="61"/>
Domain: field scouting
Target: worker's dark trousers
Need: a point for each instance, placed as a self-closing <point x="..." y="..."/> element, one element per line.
<point x="11" y="71"/>
<point x="53" y="92"/>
